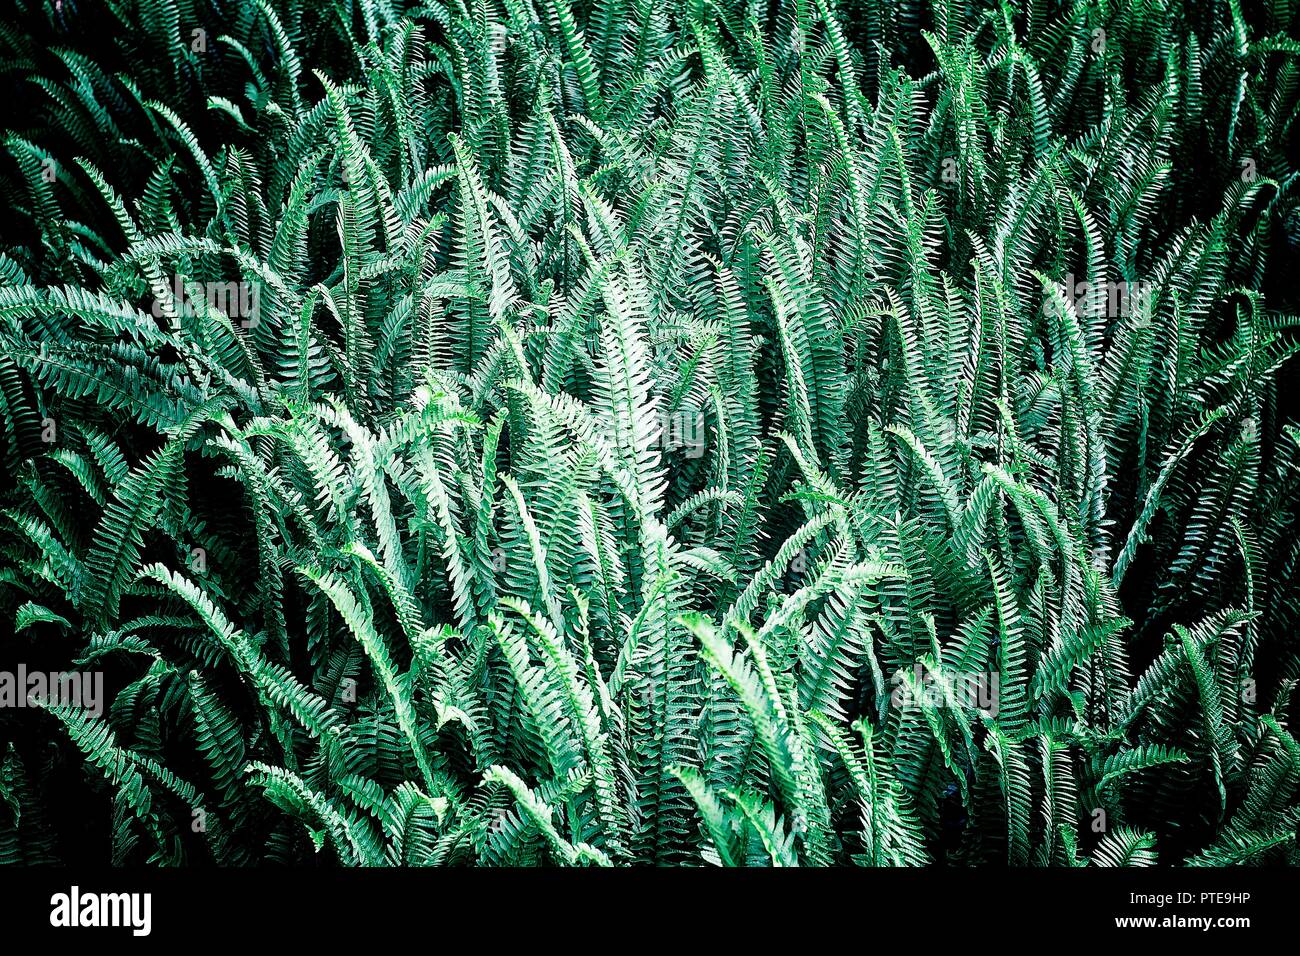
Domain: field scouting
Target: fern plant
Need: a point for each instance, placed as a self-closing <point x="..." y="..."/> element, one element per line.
<point x="610" y="433"/>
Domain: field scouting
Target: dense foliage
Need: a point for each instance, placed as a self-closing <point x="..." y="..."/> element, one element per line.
<point x="626" y="431"/>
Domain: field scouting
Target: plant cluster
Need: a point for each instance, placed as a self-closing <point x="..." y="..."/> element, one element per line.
<point x="618" y="432"/>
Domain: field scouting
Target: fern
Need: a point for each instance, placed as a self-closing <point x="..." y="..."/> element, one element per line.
<point x="614" y="433"/>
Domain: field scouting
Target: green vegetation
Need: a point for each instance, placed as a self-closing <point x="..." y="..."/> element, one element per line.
<point x="651" y="432"/>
